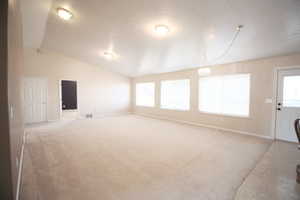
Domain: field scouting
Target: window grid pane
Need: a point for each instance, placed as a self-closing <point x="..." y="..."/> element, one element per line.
<point x="175" y="94"/>
<point x="227" y="95"/>
<point x="145" y="94"/>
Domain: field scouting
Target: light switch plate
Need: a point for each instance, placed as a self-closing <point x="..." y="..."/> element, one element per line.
<point x="268" y="100"/>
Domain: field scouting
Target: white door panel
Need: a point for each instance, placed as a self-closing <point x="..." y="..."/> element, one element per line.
<point x="35" y="98"/>
<point x="288" y="104"/>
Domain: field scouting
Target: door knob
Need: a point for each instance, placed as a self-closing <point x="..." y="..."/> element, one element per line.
<point x="278" y="108"/>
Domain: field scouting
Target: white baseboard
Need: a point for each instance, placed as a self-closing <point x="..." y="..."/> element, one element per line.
<point x="53" y="120"/>
<point x="288" y="141"/>
<point x="95" y="116"/>
<point x="20" y="169"/>
<point x="206" y="126"/>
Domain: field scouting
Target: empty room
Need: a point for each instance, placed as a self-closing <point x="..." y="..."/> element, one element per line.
<point x="150" y="99"/>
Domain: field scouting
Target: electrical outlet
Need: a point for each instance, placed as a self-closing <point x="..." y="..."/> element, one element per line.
<point x="90" y="115"/>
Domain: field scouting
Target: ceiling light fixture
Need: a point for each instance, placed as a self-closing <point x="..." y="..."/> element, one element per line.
<point x="64" y="13"/>
<point x="161" y="30"/>
<point x="109" y="55"/>
<point x="239" y="27"/>
<point x="211" y="36"/>
<point x="227" y="50"/>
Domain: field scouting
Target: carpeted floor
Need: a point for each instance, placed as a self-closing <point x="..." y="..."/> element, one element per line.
<point x="136" y="158"/>
<point x="274" y="178"/>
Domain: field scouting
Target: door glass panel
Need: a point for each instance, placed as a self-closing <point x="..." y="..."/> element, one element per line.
<point x="291" y="91"/>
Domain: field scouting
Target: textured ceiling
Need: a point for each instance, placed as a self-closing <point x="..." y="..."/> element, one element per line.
<point x="201" y="31"/>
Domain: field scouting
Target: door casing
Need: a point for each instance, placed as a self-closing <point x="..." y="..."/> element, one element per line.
<point x="275" y="100"/>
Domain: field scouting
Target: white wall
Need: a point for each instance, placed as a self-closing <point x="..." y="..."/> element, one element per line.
<point x="99" y="91"/>
<point x="262" y="76"/>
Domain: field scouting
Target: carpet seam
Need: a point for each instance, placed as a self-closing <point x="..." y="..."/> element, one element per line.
<point x="250" y="172"/>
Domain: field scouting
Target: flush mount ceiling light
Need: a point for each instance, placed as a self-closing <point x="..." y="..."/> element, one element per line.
<point x="109" y="55"/>
<point x="211" y="36"/>
<point x="161" y="30"/>
<point x="64" y="13"/>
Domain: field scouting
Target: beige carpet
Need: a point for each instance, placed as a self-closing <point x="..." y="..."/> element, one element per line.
<point x="274" y="178"/>
<point x="136" y="158"/>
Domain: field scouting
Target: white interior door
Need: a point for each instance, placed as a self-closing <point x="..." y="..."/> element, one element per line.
<point x="288" y="104"/>
<point x="35" y="100"/>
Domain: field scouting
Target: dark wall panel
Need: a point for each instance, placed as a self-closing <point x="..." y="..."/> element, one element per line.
<point x="69" y="95"/>
<point x="6" y="189"/>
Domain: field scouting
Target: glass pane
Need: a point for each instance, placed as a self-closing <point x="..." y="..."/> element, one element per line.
<point x="291" y="91"/>
<point x="145" y="94"/>
<point x="236" y="95"/>
<point x="210" y="94"/>
<point x="228" y="95"/>
<point x="175" y="94"/>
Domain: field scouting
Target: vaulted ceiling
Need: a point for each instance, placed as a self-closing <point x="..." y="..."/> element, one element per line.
<point x="201" y="31"/>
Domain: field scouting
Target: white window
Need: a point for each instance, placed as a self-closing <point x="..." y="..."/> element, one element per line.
<point x="145" y="94"/>
<point x="227" y="95"/>
<point x="175" y="94"/>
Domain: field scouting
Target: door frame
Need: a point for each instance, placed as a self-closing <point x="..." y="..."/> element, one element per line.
<point x="60" y="95"/>
<point x="274" y="98"/>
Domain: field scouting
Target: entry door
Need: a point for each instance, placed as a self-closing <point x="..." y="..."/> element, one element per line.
<point x="35" y="100"/>
<point x="288" y="104"/>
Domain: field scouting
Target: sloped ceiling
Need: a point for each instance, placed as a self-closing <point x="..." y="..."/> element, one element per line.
<point x="35" y="16"/>
<point x="201" y="31"/>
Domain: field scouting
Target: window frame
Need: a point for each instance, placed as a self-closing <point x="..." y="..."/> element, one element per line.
<point x="175" y="109"/>
<point x="154" y="97"/>
<point x="226" y="114"/>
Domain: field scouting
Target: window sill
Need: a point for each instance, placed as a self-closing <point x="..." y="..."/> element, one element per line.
<point x="175" y="109"/>
<point x="225" y="115"/>
<point x="144" y="106"/>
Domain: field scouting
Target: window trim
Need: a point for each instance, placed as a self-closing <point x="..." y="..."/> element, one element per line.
<point x="175" y="109"/>
<point x="249" y="116"/>
<point x="145" y="106"/>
